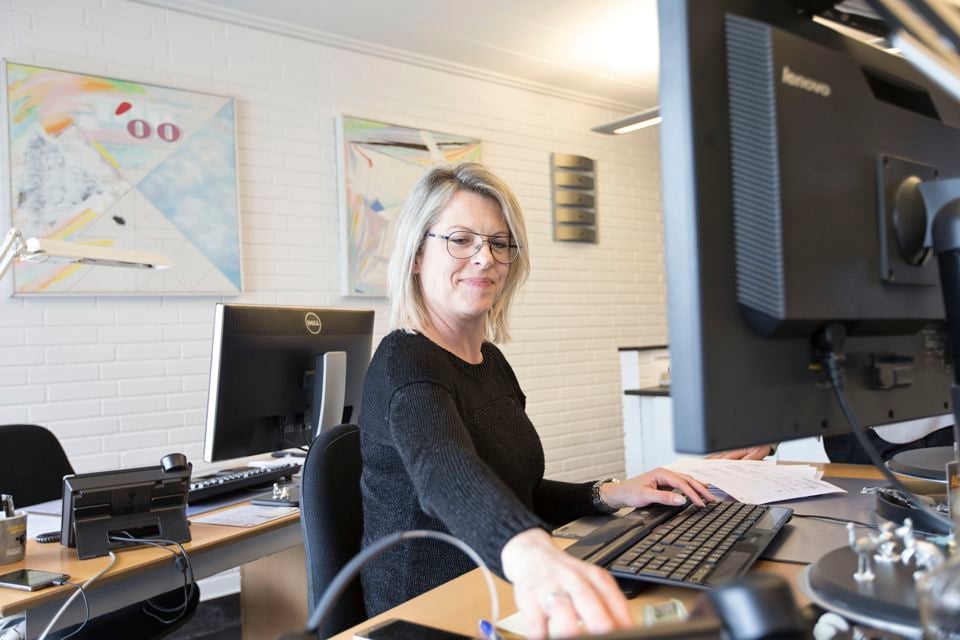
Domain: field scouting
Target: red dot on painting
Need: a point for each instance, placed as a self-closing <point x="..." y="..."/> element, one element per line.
<point x="123" y="107"/>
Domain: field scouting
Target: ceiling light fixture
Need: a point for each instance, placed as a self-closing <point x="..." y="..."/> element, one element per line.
<point x="16" y="249"/>
<point x="641" y="120"/>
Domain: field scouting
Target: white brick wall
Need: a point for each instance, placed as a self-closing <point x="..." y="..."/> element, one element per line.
<point x="123" y="380"/>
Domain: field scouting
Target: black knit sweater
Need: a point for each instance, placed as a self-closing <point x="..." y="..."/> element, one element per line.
<point x="447" y="446"/>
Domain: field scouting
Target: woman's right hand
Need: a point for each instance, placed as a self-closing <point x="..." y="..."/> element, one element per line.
<point x="559" y="595"/>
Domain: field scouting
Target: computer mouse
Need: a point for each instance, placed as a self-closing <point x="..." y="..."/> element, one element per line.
<point x="174" y="462"/>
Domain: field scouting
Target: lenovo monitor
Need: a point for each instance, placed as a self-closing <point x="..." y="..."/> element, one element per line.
<point x="793" y="159"/>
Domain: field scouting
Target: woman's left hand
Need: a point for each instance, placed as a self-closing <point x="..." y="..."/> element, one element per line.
<point x="645" y="489"/>
<point x="750" y="453"/>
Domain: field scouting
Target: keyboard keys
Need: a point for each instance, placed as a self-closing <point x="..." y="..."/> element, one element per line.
<point x="688" y="547"/>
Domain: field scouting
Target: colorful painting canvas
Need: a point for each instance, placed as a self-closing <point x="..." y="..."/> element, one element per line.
<point x="380" y="162"/>
<point x="123" y="164"/>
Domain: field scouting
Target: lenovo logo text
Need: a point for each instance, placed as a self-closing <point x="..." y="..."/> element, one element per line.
<point x="802" y="82"/>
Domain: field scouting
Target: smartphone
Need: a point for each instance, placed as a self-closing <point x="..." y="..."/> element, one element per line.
<point x="31" y="579"/>
<point x="403" y="630"/>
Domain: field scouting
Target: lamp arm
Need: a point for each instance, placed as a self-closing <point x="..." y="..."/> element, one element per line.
<point x="10" y="250"/>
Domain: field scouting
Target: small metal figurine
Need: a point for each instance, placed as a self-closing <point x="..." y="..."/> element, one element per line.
<point x="280" y="492"/>
<point x="864" y="548"/>
<point x="888" y="544"/>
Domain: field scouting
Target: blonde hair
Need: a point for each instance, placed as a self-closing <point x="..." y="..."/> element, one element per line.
<point x="421" y="211"/>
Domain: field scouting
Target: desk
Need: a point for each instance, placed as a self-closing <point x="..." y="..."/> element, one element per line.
<point x="144" y="572"/>
<point x="460" y="603"/>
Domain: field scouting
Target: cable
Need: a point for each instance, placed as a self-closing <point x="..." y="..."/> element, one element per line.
<point x="86" y="585"/>
<point x="834" y="367"/>
<point x="189" y="580"/>
<point x="349" y="571"/>
<point x="831" y="519"/>
<point x="86" y="610"/>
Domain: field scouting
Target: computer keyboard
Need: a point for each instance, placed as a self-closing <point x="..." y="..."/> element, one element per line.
<point x="690" y="546"/>
<point x="232" y="480"/>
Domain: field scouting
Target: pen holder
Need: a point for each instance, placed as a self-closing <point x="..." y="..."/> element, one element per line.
<point x="13" y="537"/>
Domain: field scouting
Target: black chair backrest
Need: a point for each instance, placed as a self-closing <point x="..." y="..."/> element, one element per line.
<point x="332" y="517"/>
<point x="34" y="464"/>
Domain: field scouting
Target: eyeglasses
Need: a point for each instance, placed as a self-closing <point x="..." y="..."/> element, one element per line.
<point x="466" y="244"/>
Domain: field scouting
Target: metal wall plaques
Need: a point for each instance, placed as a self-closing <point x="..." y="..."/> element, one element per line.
<point x="573" y="185"/>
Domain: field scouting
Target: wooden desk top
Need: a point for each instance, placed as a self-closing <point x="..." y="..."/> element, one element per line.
<point x="55" y="557"/>
<point x="459" y="604"/>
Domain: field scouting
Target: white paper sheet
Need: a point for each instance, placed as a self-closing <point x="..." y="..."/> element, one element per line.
<point x="757" y="482"/>
<point x="246" y="516"/>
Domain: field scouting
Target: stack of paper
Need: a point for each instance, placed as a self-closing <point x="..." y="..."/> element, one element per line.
<point x="757" y="482"/>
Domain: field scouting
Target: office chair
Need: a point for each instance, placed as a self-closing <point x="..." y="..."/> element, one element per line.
<point x="332" y="518"/>
<point x="33" y="473"/>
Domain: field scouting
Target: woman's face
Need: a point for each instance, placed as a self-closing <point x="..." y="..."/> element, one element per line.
<point x="458" y="290"/>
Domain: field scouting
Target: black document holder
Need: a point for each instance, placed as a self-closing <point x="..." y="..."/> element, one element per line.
<point x="146" y="502"/>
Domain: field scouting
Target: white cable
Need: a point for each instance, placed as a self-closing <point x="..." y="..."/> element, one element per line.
<point x="86" y="585"/>
<point x="463" y="546"/>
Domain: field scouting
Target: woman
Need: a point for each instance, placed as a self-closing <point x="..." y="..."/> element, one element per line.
<point x="445" y="440"/>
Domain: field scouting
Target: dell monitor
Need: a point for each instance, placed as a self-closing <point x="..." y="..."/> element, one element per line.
<point x="280" y="374"/>
<point x="796" y="163"/>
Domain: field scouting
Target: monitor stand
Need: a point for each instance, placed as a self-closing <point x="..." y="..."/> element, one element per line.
<point x="888" y="602"/>
<point x="923" y="464"/>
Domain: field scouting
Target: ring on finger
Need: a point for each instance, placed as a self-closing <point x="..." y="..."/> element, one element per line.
<point x="552" y="597"/>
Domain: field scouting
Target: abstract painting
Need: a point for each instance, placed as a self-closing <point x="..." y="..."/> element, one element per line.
<point x="122" y="164"/>
<point x="380" y="162"/>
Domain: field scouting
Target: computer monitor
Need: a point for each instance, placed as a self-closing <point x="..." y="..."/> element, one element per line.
<point x="279" y="374"/>
<point x="792" y="164"/>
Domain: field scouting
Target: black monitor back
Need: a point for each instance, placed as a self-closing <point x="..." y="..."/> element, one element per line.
<point x="783" y="148"/>
<point x="264" y="374"/>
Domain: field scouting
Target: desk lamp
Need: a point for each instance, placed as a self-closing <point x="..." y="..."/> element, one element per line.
<point x="14" y="247"/>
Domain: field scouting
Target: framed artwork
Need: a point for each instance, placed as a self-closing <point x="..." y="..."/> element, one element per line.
<point x="379" y="163"/>
<point x="122" y="164"/>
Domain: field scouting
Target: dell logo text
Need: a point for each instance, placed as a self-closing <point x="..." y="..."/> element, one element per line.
<point x="312" y="321"/>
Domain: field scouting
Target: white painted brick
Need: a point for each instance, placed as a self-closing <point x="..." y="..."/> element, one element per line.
<point x="81" y="391"/>
<point x="183" y="332"/>
<point x="21" y="394"/>
<point x="133" y="405"/>
<point x="183" y="367"/>
<point x="148" y="352"/>
<point x="79" y="354"/>
<point x="150" y="386"/>
<point x="15" y="356"/>
<point x="122" y="334"/>
<point x="180" y="401"/>
<point x="84" y="428"/>
<point x="96" y="462"/>
<point x="10" y="337"/>
<point x="67" y="31"/>
<point x="48" y="374"/>
<point x="10" y="376"/>
<point x="81" y="446"/>
<point x="15" y="20"/>
<point x="128" y="441"/>
<point x="50" y="9"/>
<point x="143" y="46"/>
<point x="162" y="315"/>
<point x="47" y="44"/>
<point x="13" y="415"/>
<point x="49" y="412"/>
<point x="64" y="336"/>
<point x="150" y="421"/>
<point x="127" y="370"/>
<point x="65" y="317"/>
<point x="109" y="21"/>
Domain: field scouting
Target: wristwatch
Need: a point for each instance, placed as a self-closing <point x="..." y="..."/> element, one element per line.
<point x="598" y="502"/>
